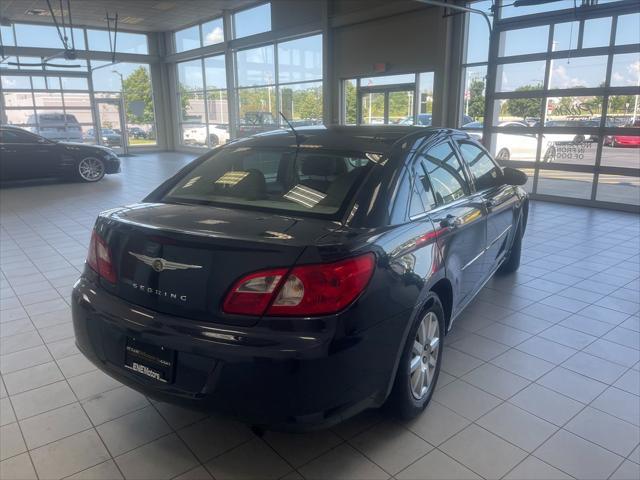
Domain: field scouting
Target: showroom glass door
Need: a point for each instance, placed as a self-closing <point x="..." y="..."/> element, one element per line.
<point x="111" y="127"/>
<point x="392" y="104"/>
<point x="403" y="99"/>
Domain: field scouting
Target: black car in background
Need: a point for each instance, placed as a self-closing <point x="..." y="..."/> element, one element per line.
<point x="110" y="138"/>
<point x="137" y="133"/>
<point x="293" y="281"/>
<point x="25" y="155"/>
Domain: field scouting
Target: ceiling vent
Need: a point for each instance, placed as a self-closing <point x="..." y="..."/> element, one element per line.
<point x="38" y="12"/>
<point x="164" y="6"/>
<point x="131" y="20"/>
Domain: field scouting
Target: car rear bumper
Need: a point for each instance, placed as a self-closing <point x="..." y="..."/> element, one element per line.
<point x="281" y="380"/>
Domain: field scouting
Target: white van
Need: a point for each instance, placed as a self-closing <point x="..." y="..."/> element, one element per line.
<point x="56" y="126"/>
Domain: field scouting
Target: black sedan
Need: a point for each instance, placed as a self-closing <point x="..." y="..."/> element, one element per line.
<point x="293" y="281"/>
<point x="26" y="155"/>
<point x="110" y="137"/>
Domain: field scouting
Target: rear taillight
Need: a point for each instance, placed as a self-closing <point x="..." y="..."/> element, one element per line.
<point x="306" y="290"/>
<point x="251" y="294"/>
<point x="99" y="258"/>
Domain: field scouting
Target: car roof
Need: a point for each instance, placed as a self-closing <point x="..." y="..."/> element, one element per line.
<point x="370" y="138"/>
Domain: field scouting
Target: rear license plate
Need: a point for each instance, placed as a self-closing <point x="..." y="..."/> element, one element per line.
<point x="152" y="361"/>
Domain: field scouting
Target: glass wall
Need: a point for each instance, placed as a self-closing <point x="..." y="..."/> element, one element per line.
<point x="246" y="22"/>
<point x="130" y="85"/>
<point x="252" y="21"/>
<point x="268" y="78"/>
<point x="208" y="33"/>
<point x="202" y="100"/>
<point x="474" y="68"/>
<point x="58" y="108"/>
<point x="92" y="101"/>
<point x="565" y="105"/>
<point x="292" y="85"/>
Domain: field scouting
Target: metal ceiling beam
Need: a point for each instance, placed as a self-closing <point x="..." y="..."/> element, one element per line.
<point x="438" y="3"/>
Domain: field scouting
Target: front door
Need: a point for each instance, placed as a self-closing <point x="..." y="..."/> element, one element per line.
<point x="111" y="129"/>
<point x="385" y="105"/>
<point x="499" y="201"/>
<point x="459" y="214"/>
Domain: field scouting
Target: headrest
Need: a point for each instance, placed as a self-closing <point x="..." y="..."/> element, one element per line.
<point x="323" y="166"/>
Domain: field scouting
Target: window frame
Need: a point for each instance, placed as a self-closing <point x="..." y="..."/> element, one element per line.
<point x="457" y="141"/>
<point x="468" y="190"/>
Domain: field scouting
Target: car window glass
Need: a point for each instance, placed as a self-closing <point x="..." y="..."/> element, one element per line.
<point x="422" y="198"/>
<point x="483" y="170"/>
<point x="445" y="173"/>
<point x="10" y="136"/>
<point x="416" y="207"/>
<point x="318" y="182"/>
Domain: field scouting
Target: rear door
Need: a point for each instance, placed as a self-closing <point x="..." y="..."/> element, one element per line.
<point x="460" y="214"/>
<point x="499" y="201"/>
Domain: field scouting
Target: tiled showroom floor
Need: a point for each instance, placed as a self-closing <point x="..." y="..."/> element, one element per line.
<point x="540" y="377"/>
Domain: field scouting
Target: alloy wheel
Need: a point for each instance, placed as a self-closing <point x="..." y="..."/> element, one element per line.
<point x="424" y="355"/>
<point x="91" y="169"/>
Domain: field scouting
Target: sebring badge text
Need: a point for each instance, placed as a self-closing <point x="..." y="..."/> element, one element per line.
<point x="159" y="293"/>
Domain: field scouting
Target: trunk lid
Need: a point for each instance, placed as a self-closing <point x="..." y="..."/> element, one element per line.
<point x="183" y="259"/>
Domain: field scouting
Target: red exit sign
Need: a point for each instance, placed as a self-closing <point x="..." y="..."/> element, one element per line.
<point x="379" y="67"/>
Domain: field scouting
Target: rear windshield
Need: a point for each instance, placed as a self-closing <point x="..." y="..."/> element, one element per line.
<point x="316" y="182"/>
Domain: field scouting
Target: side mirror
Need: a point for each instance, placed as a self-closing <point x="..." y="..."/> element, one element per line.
<point x="513" y="176"/>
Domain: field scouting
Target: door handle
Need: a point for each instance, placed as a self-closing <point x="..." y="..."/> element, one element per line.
<point x="450" y="221"/>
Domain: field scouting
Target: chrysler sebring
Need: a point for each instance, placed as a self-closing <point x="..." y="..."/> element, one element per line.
<point x="293" y="279"/>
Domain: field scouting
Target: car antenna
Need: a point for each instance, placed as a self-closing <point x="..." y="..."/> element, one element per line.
<point x="298" y="136"/>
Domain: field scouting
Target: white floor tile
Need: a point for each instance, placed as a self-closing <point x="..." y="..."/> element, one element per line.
<point x="578" y="457"/>
<point x="483" y="452"/>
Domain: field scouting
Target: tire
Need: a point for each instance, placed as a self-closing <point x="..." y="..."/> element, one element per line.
<point x="512" y="263"/>
<point x="614" y="144"/>
<point x="90" y="169"/>
<point x="578" y="139"/>
<point x="214" y="141"/>
<point x="405" y="401"/>
<point x="503" y="155"/>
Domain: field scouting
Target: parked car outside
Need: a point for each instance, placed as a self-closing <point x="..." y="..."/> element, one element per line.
<point x="55" y="126"/>
<point x="137" y="133"/>
<point x="218" y="135"/>
<point x="575" y="138"/>
<point x="293" y="282"/>
<point x="110" y="137"/>
<point x="624" y="140"/>
<point x="25" y="155"/>
<point x="515" y="146"/>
